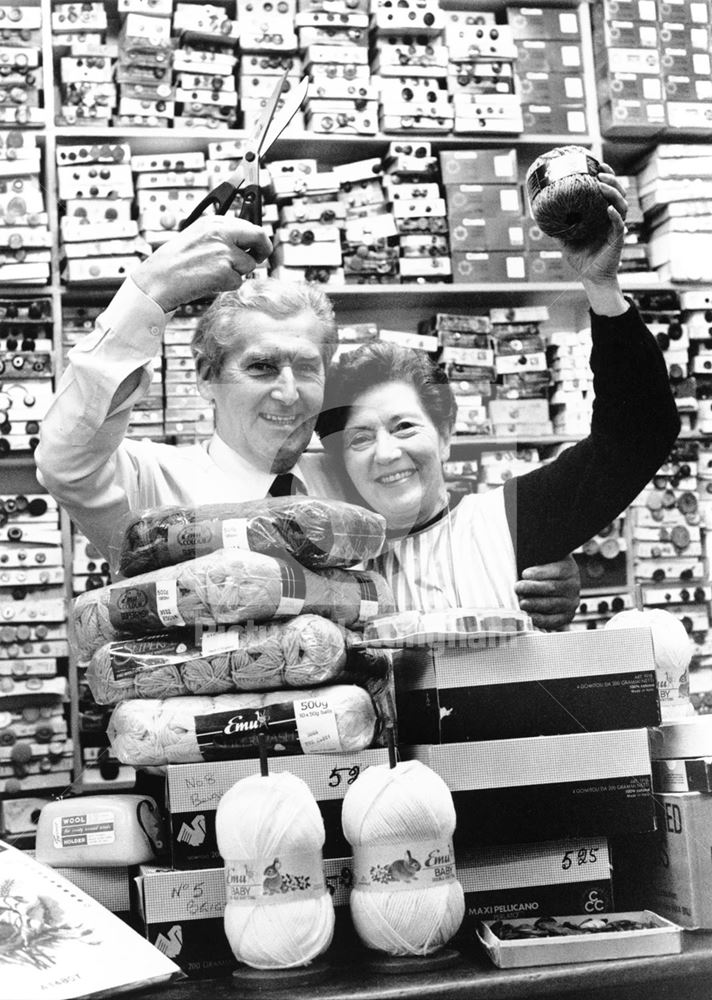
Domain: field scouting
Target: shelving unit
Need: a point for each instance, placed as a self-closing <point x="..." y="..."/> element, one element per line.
<point x="393" y="306"/>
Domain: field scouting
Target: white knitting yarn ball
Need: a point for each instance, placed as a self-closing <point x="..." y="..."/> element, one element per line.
<point x="279" y="913"/>
<point x="672" y="649"/>
<point x="405" y="899"/>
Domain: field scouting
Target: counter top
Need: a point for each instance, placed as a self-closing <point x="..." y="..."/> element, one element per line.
<point x="470" y="976"/>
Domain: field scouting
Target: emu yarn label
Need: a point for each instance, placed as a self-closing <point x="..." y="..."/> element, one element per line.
<point x="147" y="605"/>
<point x="293" y="589"/>
<point x="220" y="641"/>
<point x="128" y="659"/>
<point x="554" y="168"/>
<point x="368" y="597"/>
<point x="393" y="868"/>
<point x="192" y="540"/>
<point x="316" y="725"/>
<point x="307" y="725"/>
<point x="234" y="533"/>
<point x="167" y="603"/>
<point x="273" y="879"/>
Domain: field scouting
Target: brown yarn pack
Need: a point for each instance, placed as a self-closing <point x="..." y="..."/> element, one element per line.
<point x="565" y="199"/>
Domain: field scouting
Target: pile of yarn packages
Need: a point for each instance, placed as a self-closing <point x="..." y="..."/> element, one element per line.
<point x="224" y="620"/>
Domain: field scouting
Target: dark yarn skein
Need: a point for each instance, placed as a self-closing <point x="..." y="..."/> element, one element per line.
<point x="564" y="197"/>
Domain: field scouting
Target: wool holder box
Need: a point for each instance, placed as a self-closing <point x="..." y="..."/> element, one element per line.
<point x="527" y="685"/>
<point x="546" y="787"/>
<point x="192" y="793"/>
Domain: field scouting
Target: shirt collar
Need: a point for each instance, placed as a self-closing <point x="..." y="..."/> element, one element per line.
<point x="254" y="482"/>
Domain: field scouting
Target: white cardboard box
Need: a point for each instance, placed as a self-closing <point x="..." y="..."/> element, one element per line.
<point x="182" y="913"/>
<point x="665" y="938"/>
<point x="691" y="737"/>
<point x="533" y="880"/>
<point x="679" y="872"/>
<point x="194" y="790"/>
<point x="546" y="787"/>
<point x="527" y="685"/>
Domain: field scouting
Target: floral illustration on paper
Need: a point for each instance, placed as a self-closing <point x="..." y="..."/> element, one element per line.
<point x="33" y="928"/>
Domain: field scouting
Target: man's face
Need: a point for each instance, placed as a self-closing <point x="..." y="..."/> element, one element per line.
<point x="270" y="390"/>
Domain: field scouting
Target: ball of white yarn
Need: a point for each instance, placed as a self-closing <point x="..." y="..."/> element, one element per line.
<point x="259" y="821"/>
<point x="671" y="643"/>
<point x="406" y="815"/>
<point x="672" y="650"/>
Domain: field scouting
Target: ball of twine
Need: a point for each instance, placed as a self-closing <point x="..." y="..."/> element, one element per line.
<point x="396" y="819"/>
<point x="260" y="823"/>
<point x="565" y="199"/>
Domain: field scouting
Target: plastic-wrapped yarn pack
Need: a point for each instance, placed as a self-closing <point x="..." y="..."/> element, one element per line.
<point x="337" y="718"/>
<point x="227" y="587"/>
<point x="301" y="652"/>
<point x="565" y="199"/>
<point x="317" y="533"/>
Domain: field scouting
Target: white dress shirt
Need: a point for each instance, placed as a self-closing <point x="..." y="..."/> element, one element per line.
<point x="101" y="477"/>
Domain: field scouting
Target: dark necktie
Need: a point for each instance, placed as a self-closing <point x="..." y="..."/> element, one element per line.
<point x="286" y="485"/>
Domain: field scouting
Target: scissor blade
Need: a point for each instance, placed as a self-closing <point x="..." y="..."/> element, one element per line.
<point x="237" y="177"/>
<point x="257" y="139"/>
<point x="292" y="104"/>
<point x="274" y="127"/>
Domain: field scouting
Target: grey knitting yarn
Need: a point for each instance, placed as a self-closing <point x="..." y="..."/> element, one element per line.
<point x="565" y="199"/>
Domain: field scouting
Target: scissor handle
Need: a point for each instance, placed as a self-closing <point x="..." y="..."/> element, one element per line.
<point x="221" y="198"/>
<point x="251" y="210"/>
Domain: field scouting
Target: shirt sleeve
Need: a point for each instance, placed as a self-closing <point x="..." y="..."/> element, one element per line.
<point x="81" y="458"/>
<point x="556" y="508"/>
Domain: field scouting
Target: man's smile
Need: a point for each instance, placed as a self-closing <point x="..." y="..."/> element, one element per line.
<point x="280" y="420"/>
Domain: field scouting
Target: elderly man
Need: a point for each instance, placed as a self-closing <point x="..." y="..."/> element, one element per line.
<point x="261" y="355"/>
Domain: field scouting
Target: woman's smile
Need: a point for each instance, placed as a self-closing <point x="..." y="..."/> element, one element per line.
<point x="393" y="478"/>
<point x="387" y="427"/>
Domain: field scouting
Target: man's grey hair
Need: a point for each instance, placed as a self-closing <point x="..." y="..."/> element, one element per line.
<point x="228" y="319"/>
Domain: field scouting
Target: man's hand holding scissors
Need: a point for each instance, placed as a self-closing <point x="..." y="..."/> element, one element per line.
<point x="213" y="252"/>
<point x="210" y="256"/>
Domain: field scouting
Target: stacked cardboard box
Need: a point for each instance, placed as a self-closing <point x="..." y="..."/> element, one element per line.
<point x="539" y="738"/>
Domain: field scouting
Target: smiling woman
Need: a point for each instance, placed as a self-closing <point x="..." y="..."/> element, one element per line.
<point x="394" y="452"/>
<point x="386" y="427"/>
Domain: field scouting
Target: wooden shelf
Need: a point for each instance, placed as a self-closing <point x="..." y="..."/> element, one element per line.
<point x="325" y="147"/>
<point x="415" y="295"/>
<point x="470" y="441"/>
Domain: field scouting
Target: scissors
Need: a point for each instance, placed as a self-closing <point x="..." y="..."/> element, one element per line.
<point x="268" y="130"/>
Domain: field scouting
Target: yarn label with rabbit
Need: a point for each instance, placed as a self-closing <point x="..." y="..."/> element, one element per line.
<point x="392" y="868"/>
<point x="289" y="876"/>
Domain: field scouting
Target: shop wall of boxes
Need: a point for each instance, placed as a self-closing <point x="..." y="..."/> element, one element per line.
<point x="405" y="170"/>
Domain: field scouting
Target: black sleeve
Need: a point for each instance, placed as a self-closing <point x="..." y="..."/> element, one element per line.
<point x="556" y="508"/>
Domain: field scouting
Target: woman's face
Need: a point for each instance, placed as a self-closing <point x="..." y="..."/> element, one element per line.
<point x="393" y="454"/>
